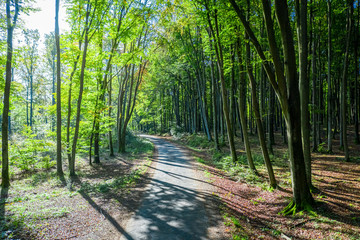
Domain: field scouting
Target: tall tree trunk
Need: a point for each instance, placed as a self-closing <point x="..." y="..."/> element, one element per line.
<point x="315" y="108"/>
<point x="81" y="89"/>
<point x="214" y="100"/>
<point x="241" y="104"/>
<point x="343" y="86"/>
<point x="271" y="122"/>
<point x="58" y="93"/>
<point x="111" y="147"/>
<point x="219" y="55"/>
<point x="258" y="120"/>
<point x="301" y="191"/>
<point x="329" y="96"/>
<point x="301" y="19"/>
<point x="356" y="48"/>
<point x="31" y="97"/>
<point x="10" y="23"/>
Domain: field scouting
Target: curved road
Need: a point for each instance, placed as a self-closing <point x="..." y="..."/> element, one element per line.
<point x="173" y="205"/>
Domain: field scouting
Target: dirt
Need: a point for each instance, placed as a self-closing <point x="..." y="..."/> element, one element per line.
<point x="89" y="213"/>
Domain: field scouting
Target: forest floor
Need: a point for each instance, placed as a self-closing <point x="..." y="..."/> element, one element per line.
<point x="94" y="205"/>
<point x="251" y="209"/>
<point x="98" y="203"/>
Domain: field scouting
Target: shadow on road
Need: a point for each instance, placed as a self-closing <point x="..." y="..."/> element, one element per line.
<point x="174" y="203"/>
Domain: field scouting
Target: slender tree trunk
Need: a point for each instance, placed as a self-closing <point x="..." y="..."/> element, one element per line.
<point x="344" y="81"/>
<point x="329" y="96"/>
<point x="232" y="87"/>
<point x="271" y="114"/>
<point x="219" y="55"/>
<point x="11" y="23"/>
<point x="58" y="93"/>
<point x="53" y="67"/>
<point x="314" y="86"/>
<point x="356" y="48"/>
<point x="214" y="100"/>
<point x="31" y="97"/>
<point x="301" y="19"/>
<point x="81" y="89"/>
<point x="111" y="147"/>
<point x="241" y="104"/>
<point x="258" y="120"/>
<point x="97" y="140"/>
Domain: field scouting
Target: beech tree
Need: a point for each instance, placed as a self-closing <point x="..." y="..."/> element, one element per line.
<point x="58" y="92"/>
<point x="11" y="21"/>
<point x="287" y="89"/>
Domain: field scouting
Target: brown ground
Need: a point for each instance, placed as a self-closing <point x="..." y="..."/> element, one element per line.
<point x="85" y="212"/>
<point x="336" y="214"/>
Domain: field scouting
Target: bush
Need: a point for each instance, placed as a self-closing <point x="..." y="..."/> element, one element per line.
<point x="136" y="145"/>
<point x="199" y="141"/>
<point x="27" y="152"/>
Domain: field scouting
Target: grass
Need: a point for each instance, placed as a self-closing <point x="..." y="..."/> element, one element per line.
<point x="237" y="230"/>
<point x="137" y="145"/>
<point x="36" y="197"/>
<point x="200" y="160"/>
<point x="24" y="208"/>
<point x="238" y="170"/>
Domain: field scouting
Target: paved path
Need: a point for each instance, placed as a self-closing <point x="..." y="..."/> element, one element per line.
<point x="172" y="207"/>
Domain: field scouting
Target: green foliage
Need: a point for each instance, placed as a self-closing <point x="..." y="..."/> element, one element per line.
<point x="200" y="160"/>
<point x="27" y="152"/>
<point x="138" y="145"/>
<point x="121" y="182"/>
<point x="237" y="231"/>
<point x="198" y="141"/>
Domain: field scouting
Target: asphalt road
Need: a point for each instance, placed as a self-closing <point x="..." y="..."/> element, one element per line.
<point x="172" y="207"/>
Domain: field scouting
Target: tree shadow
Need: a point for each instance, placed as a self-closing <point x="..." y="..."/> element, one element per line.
<point x="7" y="231"/>
<point x="170" y="210"/>
<point x="102" y="211"/>
<point x="3" y="198"/>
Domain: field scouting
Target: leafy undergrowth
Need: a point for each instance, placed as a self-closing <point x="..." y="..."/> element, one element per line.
<point x="251" y="208"/>
<point x="92" y="205"/>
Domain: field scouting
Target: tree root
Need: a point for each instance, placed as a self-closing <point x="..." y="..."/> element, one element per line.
<point x="293" y="209"/>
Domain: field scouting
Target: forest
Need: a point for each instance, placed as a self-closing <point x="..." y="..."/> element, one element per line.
<point x="264" y="96"/>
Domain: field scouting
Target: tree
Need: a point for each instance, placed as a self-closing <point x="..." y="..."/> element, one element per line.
<point x="58" y="92"/>
<point x="343" y="86"/>
<point x="11" y="24"/>
<point x="81" y="89"/>
<point x="215" y="33"/>
<point x="30" y="64"/>
<point x="301" y="27"/>
<point x="329" y="94"/>
<point x="287" y="89"/>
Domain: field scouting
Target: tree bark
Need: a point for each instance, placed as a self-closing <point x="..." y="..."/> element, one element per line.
<point x="301" y="192"/>
<point x="343" y="86"/>
<point x="356" y="109"/>
<point x="241" y="104"/>
<point x="81" y="89"/>
<point x="258" y="120"/>
<point x="111" y="147"/>
<point x="10" y="23"/>
<point x="287" y="90"/>
<point x="329" y="91"/>
<point x="58" y="93"/>
<point x="214" y="99"/>
<point x="301" y="20"/>
<point x="219" y="55"/>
